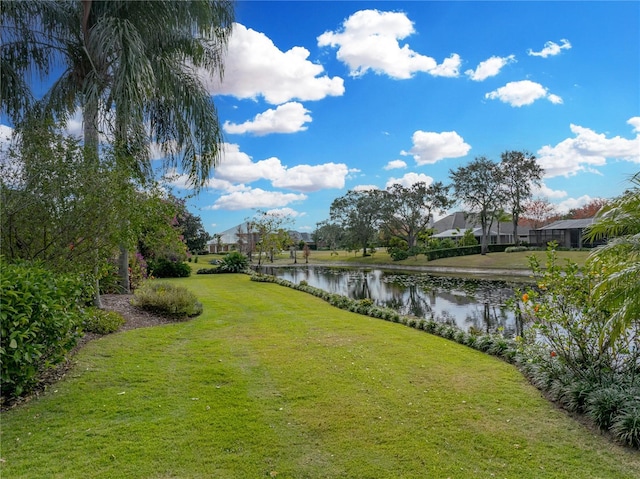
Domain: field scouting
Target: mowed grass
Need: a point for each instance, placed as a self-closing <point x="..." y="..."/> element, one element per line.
<point x="272" y="382"/>
<point x="519" y="260"/>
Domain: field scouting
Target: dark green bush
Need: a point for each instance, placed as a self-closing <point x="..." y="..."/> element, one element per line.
<point x="100" y="321"/>
<point x="40" y="320"/>
<point x="234" y="262"/>
<point x="626" y="425"/>
<point x="167" y="299"/>
<point x="398" y="254"/>
<point x="167" y="268"/>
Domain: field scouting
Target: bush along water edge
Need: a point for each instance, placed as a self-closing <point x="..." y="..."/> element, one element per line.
<point x="614" y="409"/>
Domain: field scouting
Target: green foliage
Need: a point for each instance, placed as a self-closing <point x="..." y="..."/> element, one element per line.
<point x="167" y="300"/>
<point x="40" y="318"/>
<point x="167" y="268"/>
<point x="569" y="352"/>
<point x="468" y="239"/>
<point x="618" y="288"/>
<point x="234" y="262"/>
<point x="99" y="321"/>
<point x="398" y="254"/>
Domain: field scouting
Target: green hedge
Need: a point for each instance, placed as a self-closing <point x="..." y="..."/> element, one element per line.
<point x="40" y="322"/>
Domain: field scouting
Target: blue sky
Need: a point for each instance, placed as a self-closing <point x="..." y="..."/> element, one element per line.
<point x="323" y="97"/>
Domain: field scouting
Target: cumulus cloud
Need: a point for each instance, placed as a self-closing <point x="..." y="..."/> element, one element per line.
<point x="288" y="118"/>
<point x="635" y="123"/>
<point x="255" y="198"/>
<point x="410" y="179"/>
<point x="551" y="49"/>
<point x="545" y="192"/>
<point x="395" y="165"/>
<point x="520" y="93"/>
<point x="310" y="178"/>
<point x="369" y="40"/>
<point x="238" y="167"/>
<point x="489" y="68"/>
<point x="573" y="203"/>
<point x="255" y="67"/>
<point x="430" y="147"/>
<point x="587" y="150"/>
<point x="6" y="135"/>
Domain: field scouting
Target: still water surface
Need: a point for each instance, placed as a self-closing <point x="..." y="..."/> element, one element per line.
<point x="467" y="303"/>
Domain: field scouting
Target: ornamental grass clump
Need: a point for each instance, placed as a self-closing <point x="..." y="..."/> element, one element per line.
<point x="167" y="299"/>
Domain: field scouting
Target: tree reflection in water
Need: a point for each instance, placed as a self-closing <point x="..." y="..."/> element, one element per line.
<point x="476" y="304"/>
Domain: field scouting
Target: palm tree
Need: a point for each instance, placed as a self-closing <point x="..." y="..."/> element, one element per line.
<point x="618" y="289"/>
<point x="134" y="69"/>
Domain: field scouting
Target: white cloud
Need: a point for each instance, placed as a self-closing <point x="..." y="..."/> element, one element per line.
<point x="572" y="203"/>
<point x="395" y="164"/>
<point x="365" y="188"/>
<point x="284" y="212"/>
<point x="635" y="123"/>
<point x="489" y="68"/>
<point x="255" y="67"/>
<point x="6" y="135"/>
<point x="430" y="147"/>
<point x="545" y="192"/>
<point x="255" y="198"/>
<point x="288" y="118"/>
<point x="368" y="40"/>
<point x="551" y="49"/>
<point x="520" y="93"/>
<point x="410" y="179"/>
<point x="310" y="178"/>
<point x="586" y="150"/>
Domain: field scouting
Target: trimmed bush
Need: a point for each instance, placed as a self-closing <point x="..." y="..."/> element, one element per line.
<point x="99" y="321"/>
<point x="40" y="319"/>
<point x="167" y="300"/>
<point x="166" y="268"/>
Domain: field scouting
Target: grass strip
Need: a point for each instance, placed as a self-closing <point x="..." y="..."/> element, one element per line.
<point x="271" y="382"/>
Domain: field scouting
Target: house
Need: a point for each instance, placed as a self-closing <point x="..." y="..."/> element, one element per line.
<point x="242" y="238"/>
<point x="454" y="226"/>
<point x="567" y="233"/>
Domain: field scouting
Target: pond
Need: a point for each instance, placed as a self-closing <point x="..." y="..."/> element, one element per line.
<point x="470" y="304"/>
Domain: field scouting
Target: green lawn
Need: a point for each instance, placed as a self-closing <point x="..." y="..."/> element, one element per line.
<point x="381" y="257"/>
<point x="272" y="382"/>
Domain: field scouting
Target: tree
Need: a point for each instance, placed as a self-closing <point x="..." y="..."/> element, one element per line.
<point x="618" y="288"/>
<point x="407" y="211"/>
<point x="193" y="233"/>
<point x="328" y="234"/>
<point x="133" y="58"/>
<point x="589" y="210"/>
<point x="479" y="186"/>
<point x="358" y="213"/>
<point x="520" y="172"/>
<point x="537" y="213"/>
<point x="270" y="232"/>
<point x="56" y="206"/>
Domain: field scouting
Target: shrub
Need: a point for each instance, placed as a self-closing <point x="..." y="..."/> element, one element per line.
<point x="99" y="321"/>
<point x="604" y="404"/>
<point x="234" y="262"/>
<point x="398" y="254"/>
<point x="40" y="318"/>
<point x="626" y="426"/>
<point x="166" y="268"/>
<point x="167" y="300"/>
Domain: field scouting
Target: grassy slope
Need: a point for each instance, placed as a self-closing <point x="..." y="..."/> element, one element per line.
<point x="274" y="382"/>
